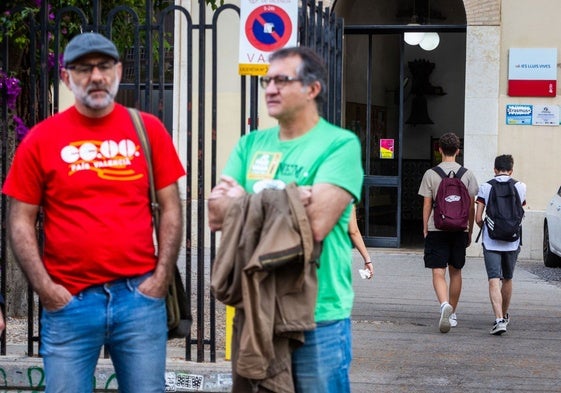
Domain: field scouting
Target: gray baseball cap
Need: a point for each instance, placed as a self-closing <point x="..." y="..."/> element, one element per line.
<point x="87" y="43"/>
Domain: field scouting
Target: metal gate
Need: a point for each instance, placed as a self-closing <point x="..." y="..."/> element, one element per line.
<point x="148" y="48"/>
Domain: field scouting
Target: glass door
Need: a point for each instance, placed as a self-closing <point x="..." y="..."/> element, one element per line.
<point x="373" y="91"/>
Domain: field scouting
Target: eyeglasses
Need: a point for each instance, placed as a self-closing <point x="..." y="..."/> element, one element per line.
<point x="86" y="69"/>
<point x="280" y="80"/>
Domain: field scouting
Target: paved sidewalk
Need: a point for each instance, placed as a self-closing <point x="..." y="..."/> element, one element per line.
<point x="396" y="342"/>
<point x="398" y="347"/>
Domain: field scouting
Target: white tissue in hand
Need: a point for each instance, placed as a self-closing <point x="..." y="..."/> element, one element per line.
<point x="364" y="273"/>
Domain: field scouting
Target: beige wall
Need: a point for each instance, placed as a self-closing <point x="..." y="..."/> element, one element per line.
<point x="510" y="24"/>
<point x="535" y="148"/>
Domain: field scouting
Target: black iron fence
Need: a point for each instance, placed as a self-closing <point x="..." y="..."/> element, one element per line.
<point x="149" y="45"/>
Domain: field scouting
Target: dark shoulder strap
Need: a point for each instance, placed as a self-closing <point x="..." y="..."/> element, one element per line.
<point x="461" y="172"/>
<point x="440" y="171"/>
<point x="513" y="185"/>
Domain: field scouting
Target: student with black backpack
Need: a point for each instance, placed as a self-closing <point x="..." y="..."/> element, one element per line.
<point x="502" y="199"/>
<point x="448" y="192"/>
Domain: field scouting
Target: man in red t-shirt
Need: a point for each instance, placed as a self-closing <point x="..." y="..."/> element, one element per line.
<point x="98" y="277"/>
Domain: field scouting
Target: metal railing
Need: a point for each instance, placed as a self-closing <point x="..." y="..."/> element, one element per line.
<point x="147" y="83"/>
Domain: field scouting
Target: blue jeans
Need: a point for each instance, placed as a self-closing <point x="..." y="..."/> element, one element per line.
<point x="132" y="326"/>
<point x="322" y="364"/>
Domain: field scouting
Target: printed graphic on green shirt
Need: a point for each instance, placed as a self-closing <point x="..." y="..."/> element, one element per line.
<point x="263" y="165"/>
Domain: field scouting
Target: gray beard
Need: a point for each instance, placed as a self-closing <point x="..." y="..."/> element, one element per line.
<point x="89" y="102"/>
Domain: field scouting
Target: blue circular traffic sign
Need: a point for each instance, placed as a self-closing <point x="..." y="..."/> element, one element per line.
<point x="268" y="28"/>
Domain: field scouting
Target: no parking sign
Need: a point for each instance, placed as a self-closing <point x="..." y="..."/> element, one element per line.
<point x="266" y="25"/>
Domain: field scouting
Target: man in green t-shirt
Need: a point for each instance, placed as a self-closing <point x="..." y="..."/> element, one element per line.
<point x="325" y="162"/>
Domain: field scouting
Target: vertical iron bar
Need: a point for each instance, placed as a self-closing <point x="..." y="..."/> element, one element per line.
<point x="337" y="25"/>
<point x="243" y="97"/>
<point x="189" y="182"/>
<point x="253" y="103"/>
<point x="303" y="23"/>
<point x="400" y="137"/>
<point x="369" y="62"/>
<point x="312" y="25"/>
<point x="4" y="166"/>
<point x="213" y="170"/>
<point x="43" y="61"/>
<point x="33" y="114"/>
<point x="96" y="15"/>
<point x="148" y="66"/>
<point x="201" y="183"/>
<point x="328" y="39"/>
<point x="161" y="68"/>
<point x="320" y="38"/>
<point x="136" y="55"/>
<point x="56" y="66"/>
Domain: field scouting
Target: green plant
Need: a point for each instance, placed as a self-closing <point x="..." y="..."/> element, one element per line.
<point x="16" y="17"/>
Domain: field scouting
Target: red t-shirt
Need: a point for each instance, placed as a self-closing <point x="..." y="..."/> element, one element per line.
<point x="90" y="177"/>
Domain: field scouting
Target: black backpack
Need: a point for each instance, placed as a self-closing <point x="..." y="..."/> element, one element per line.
<point x="452" y="203"/>
<point x="503" y="211"/>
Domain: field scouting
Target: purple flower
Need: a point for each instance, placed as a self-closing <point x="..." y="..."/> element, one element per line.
<point x="21" y="128"/>
<point x="51" y="61"/>
<point x="11" y="87"/>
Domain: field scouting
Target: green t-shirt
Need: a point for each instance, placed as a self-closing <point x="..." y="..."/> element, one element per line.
<point x="325" y="154"/>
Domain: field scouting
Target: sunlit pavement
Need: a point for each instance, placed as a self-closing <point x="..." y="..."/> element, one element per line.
<point x="398" y="347"/>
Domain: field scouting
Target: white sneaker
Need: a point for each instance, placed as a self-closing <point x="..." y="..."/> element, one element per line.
<point x="498" y="328"/>
<point x="445" y="312"/>
<point x="453" y="320"/>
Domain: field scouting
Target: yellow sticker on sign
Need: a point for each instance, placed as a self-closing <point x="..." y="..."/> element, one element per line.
<point x="253" y="69"/>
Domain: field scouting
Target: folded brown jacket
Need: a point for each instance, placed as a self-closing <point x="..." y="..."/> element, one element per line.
<point x="266" y="268"/>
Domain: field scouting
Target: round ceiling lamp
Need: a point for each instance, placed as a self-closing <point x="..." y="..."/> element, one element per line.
<point x="430" y="41"/>
<point x="413" y="38"/>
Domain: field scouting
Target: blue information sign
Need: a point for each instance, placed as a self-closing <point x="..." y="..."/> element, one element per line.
<point x="519" y="114"/>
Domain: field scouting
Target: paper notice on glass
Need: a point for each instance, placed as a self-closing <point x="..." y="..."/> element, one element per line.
<point x="386" y="148"/>
<point x="545" y="115"/>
